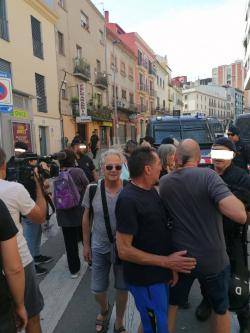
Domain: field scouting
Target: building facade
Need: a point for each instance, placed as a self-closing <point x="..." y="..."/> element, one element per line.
<point x="82" y="70"/>
<point x="231" y="75"/>
<point x="27" y="52"/>
<point x="211" y="101"/>
<point x="161" y="86"/>
<point x="122" y="88"/>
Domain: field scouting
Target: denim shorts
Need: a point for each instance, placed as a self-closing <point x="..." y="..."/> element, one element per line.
<point x="101" y="265"/>
<point x="216" y="286"/>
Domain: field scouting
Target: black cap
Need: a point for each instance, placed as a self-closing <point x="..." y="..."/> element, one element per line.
<point x="76" y="141"/>
<point x="233" y="129"/>
<point x="21" y="145"/>
<point x="226" y="143"/>
<point x="167" y="140"/>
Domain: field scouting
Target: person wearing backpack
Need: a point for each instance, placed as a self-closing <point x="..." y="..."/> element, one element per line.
<point x="99" y="202"/>
<point x="69" y="188"/>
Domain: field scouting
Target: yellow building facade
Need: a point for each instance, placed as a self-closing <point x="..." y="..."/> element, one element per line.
<point x="27" y="51"/>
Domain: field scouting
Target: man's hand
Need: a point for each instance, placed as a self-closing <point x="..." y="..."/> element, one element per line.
<point x="21" y="318"/>
<point x="174" y="280"/>
<point x="179" y="262"/>
<point x="87" y="253"/>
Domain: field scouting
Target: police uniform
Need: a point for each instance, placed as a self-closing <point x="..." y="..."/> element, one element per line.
<point x="242" y="158"/>
<point x="236" y="178"/>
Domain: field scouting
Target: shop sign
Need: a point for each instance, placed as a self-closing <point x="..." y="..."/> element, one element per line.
<point x="83" y="119"/>
<point x="20" y="114"/>
<point x="6" y="98"/>
<point x="82" y="99"/>
<point x="107" y="124"/>
<point x="22" y="132"/>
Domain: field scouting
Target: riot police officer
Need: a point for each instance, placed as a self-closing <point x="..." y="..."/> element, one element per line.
<point x="235" y="178"/>
<point x="242" y="156"/>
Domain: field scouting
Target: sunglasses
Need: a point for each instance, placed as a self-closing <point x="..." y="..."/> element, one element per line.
<point x="230" y="134"/>
<point x="110" y="167"/>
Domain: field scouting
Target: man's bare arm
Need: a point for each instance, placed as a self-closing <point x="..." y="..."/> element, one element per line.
<point x="234" y="209"/>
<point x="176" y="261"/>
<point x="38" y="213"/>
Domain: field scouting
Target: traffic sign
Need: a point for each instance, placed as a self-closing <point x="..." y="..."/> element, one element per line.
<point x="6" y="99"/>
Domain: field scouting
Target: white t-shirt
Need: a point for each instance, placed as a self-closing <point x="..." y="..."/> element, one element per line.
<point x="18" y="201"/>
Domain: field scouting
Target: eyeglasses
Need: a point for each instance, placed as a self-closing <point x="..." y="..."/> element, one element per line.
<point x="110" y="167"/>
<point x="230" y="134"/>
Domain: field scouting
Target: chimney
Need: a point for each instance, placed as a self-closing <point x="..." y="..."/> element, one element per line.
<point x="106" y="15"/>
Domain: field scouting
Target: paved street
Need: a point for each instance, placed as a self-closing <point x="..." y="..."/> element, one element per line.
<point x="69" y="305"/>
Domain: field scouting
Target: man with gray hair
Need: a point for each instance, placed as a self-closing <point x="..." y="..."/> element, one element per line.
<point x="99" y="202"/>
<point x="196" y="199"/>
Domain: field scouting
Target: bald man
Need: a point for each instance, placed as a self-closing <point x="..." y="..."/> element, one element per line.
<point x="196" y="199"/>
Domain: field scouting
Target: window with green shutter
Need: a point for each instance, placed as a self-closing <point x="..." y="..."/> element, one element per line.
<point x="36" y="38"/>
<point x="40" y="93"/>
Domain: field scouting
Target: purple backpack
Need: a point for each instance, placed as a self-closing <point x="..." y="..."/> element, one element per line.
<point x="66" y="194"/>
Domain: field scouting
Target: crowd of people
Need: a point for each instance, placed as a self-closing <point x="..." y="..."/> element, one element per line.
<point x="152" y="215"/>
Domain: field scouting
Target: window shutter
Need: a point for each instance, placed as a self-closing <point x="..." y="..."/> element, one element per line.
<point x="5" y="66"/>
<point x="36" y="38"/>
<point x="40" y="92"/>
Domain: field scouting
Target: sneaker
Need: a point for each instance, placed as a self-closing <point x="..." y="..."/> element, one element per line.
<point x="203" y="310"/>
<point x="40" y="271"/>
<point x="75" y="276"/>
<point x="42" y="260"/>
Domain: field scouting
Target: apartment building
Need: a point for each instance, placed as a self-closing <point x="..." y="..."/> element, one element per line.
<point x="82" y="70"/>
<point x="213" y="101"/>
<point x="231" y="75"/>
<point x="122" y="88"/>
<point x="27" y="52"/>
<point x="162" y="86"/>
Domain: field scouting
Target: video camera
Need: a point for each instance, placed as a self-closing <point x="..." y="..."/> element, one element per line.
<point x="23" y="170"/>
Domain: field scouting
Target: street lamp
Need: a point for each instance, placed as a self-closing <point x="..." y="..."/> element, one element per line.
<point x="116" y="128"/>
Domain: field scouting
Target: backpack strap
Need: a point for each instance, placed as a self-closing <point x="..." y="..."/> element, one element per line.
<point x="92" y="192"/>
<point x="106" y="213"/>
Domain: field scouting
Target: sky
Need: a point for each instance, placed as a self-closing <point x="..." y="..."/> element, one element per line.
<point x="196" y="35"/>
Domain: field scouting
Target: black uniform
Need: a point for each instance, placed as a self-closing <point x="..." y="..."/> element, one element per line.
<point x="242" y="158"/>
<point x="239" y="180"/>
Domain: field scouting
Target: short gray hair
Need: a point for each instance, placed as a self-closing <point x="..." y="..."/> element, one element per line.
<point x="110" y="152"/>
<point x="2" y="156"/>
<point x="164" y="151"/>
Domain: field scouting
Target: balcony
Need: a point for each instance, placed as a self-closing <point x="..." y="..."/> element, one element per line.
<point x="81" y="69"/>
<point x="125" y="106"/>
<point x="142" y="108"/>
<point x="143" y="87"/>
<point x="142" y="63"/>
<point x="101" y="80"/>
<point x="4" y="31"/>
<point x="152" y="93"/>
<point x="100" y="113"/>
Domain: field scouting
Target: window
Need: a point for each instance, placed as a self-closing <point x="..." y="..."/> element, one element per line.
<point x="113" y="62"/>
<point x="131" y="98"/>
<point x="98" y="66"/>
<point x="78" y="52"/>
<point x="40" y="93"/>
<point x="60" y="43"/>
<point x="139" y="57"/>
<point x="84" y="21"/>
<point x="131" y="73"/>
<point x="64" y="90"/>
<point x="158" y="102"/>
<point x="124" y="94"/>
<point x="123" y="69"/>
<point x="36" y="38"/>
<point x="5" y="66"/>
<point x="160" y="82"/>
<point x="4" y="31"/>
<point x="163" y="84"/>
<point x="157" y="78"/>
<point x="101" y="37"/>
<point x="164" y="103"/>
<point x="61" y="3"/>
<point x="99" y="100"/>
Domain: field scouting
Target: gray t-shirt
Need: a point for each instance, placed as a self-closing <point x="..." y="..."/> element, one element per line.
<point x="100" y="241"/>
<point x="191" y="195"/>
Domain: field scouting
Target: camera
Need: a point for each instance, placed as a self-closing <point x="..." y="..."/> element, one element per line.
<point x="24" y="166"/>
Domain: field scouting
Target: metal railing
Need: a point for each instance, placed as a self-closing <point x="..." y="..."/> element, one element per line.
<point x="82" y="68"/>
<point x="101" y="80"/>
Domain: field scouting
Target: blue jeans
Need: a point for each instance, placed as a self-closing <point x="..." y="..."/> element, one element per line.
<point x="33" y="235"/>
<point x="152" y="304"/>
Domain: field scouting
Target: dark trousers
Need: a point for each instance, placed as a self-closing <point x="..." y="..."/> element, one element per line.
<point x="72" y="235"/>
<point x="7" y="322"/>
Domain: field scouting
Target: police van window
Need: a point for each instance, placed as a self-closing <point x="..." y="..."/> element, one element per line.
<point x="197" y="131"/>
<point x="164" y="130"/>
